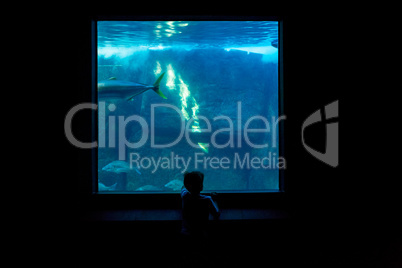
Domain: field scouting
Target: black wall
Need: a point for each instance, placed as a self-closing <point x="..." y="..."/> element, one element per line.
<point x="340" y="215"/>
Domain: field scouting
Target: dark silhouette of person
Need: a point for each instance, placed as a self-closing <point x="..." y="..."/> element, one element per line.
<point x="195" y="206"/>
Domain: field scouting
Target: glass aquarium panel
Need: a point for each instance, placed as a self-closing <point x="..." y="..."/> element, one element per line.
<point x="177" y="96"/>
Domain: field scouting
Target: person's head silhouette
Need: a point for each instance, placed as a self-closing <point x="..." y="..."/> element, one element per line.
<point x="193" y="181"/>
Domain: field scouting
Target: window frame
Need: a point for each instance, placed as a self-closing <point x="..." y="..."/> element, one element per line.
<point x="172" y="199"/>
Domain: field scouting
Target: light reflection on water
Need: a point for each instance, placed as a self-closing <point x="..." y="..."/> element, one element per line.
<point x="188" y="33"/>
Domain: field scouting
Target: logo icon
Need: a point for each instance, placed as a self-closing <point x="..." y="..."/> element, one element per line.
<point x="331" y="156"/>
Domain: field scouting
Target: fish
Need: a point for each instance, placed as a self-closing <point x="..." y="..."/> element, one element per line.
<point x="175" y="185"/>
<point x="119" y="167"/>
<point x="102" y="187"/>
<point x="148" y="187"/>
<point x="259" y="50"/>
<point x="120" y="89"/>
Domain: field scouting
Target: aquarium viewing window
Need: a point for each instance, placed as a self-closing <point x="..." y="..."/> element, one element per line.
<point x="177" y="96"/>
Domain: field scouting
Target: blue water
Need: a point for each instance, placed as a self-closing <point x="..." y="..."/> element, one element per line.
<point x="199" y="34"/>
<point x="221" y="86"/>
